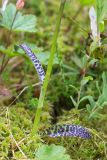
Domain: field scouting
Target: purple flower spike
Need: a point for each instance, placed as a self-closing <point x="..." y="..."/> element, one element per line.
<point x="68" y="130"/>
<point x="35" y="61"/>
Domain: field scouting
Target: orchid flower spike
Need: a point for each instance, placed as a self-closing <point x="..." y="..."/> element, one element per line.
<point x="67" y="130"/>
<point x="35" y="61"/>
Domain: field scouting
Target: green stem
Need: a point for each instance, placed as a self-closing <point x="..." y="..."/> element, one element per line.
<point x="4" y="64"/>
<point x="49" y="69"/>
<point x="13" y="21"/>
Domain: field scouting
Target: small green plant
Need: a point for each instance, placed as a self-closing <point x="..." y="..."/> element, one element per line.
<point x="96" y="53"/>
<point x="95" y="106"/>
<point x="52" y="152"/>
<point x="101" y="102"/>
<point x="101" y="10"/>
<point x="32" y="103"/>
<point x="13" y="20"/>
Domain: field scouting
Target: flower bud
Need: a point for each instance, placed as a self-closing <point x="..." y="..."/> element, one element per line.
<point x="20" y="4"/>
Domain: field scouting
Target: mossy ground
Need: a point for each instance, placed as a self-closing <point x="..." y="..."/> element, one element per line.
<point x="17" y="143"/>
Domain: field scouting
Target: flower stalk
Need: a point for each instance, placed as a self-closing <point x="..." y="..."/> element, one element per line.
<point x="49" y="69"/>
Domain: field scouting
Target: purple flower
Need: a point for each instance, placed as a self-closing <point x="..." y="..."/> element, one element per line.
<point x="35" y="61"/>
<point x="68" y="130"/>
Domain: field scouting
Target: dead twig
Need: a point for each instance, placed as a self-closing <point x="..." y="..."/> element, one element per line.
<point x="11" y="135"/>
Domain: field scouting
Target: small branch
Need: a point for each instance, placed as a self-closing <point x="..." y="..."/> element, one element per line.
<point x="4" y="64"/>
<point x="11" y="135"/>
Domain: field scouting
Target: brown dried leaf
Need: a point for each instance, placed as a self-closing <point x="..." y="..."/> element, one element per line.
<point x="4" y="93"/>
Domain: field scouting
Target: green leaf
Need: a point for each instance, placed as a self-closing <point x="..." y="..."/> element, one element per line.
<point x="100" y="101"/>
<point x="93" y="46"/>
<point x="86" y="80"/>
<point x="84" y="61"/>
<point x="103" y="105"/>
<point x="101" y="8"/>
<point x="87" y="2"/>
<point x="93" y="61"/>
<point x="15" y="21"/>
<point x="95" y="115"/>
<point x="52" y="152"/>
<point x="90" y="99"/>
<point x="76" y="89"/>
<point x="77" y="61"/>
<point x="89" y="109"/>
<point x="73" y="101"/>
<point x="104" y="91"/>
<point x="8" y="51"/>
<point x="104" y="41"/>
<point x="101" y="25"/>
<point x="98" y="87"/>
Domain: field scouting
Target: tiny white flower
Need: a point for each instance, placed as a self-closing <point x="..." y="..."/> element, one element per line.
<point x="93" y="24"/>
<point x="4" y="4"/>
<point x="93" y="21"/>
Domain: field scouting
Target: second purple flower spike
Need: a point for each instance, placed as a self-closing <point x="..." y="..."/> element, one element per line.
<point x="67" y="130"/>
